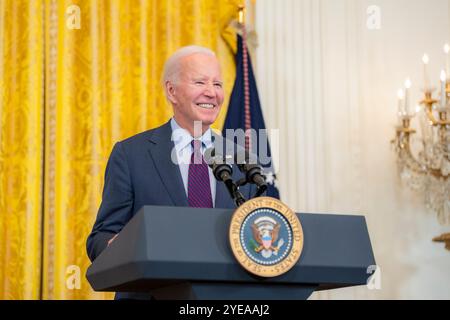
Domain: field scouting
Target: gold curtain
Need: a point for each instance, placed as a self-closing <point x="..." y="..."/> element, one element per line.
<point x="21" y="150"/>
<point x="99" y="63"/>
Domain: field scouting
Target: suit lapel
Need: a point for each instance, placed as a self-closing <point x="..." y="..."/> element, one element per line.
<point x="160" y="149"/>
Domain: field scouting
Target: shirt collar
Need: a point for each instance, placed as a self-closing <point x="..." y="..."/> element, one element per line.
<point x="182" y="138"/>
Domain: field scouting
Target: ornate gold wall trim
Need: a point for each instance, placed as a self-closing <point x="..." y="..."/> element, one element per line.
<point x="42" y="152"/>
<point x="50" y="145"/>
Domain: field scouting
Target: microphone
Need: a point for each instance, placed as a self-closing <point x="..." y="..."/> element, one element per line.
<point x="252" y="171"/>
<point x="223" y="172"/>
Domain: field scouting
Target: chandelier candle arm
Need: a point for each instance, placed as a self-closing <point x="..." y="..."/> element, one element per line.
<point x="428" y="102"/>
<point x="403" y="145"/>
<point x="445" y="238"/>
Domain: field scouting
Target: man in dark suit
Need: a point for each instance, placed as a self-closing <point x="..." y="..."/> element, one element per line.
<point x="165" y="166"/>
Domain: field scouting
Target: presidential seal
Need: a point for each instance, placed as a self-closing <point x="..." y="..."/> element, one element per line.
<point x="266" y="237"/>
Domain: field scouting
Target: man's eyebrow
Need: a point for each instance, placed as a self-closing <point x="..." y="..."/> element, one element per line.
<point x="198" y="78"/>
<point x="204" y="78"/>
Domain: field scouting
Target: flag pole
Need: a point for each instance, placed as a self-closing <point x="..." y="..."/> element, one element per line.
<point x="248" y="124"/>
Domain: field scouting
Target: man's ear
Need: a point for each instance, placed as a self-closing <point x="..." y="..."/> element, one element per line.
<point x="170" y="90"/>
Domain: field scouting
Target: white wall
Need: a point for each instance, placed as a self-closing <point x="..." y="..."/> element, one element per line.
<point x="329" y="84"/>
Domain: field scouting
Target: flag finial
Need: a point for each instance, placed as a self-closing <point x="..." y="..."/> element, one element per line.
<point x="241" y="14"/>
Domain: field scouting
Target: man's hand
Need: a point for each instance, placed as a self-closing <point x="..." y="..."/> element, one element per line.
<point x="112" y="239"/>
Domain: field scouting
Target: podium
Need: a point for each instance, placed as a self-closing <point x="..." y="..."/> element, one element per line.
<point x="184" y="253"/>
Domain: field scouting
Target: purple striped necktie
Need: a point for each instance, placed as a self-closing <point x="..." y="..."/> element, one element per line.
<point x="199" y="189"/>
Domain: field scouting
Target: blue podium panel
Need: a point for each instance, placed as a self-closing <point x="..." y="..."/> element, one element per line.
<point x="230" y="291"/>
<point x="182" y="247"/>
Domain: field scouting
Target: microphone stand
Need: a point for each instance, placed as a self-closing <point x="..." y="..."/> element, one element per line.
<point x="232" y="188"/>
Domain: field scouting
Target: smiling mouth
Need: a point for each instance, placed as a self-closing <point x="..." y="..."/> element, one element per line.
<point x="206" y="105"/>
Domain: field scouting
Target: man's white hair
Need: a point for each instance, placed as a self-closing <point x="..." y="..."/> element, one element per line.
<point x="172" y="65"/>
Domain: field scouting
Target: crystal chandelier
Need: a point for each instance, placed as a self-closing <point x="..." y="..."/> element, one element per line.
<point x="424" y="160"/>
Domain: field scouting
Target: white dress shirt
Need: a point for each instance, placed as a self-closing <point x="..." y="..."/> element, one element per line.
<point x="182" y="141"/>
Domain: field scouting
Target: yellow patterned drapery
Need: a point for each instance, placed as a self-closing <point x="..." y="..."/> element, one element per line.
<point x="21" y="151"/>
<point x="101" y="73"/>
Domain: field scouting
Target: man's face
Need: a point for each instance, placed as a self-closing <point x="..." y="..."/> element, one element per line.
<point x="197" y="94"/>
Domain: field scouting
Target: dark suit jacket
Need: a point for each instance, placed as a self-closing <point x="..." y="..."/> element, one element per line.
<point x="140" y="172"/>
